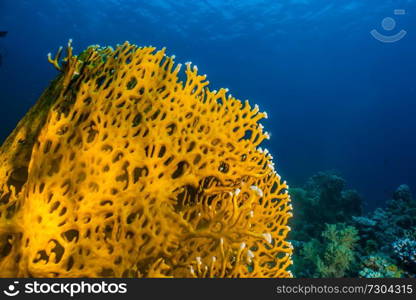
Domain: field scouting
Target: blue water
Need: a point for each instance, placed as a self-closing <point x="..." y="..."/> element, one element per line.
<point x="337" y="98"/>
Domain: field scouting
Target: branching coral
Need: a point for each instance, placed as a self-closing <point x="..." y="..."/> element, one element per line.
<point x="121" y="169"/>
<point x="339" y="252"/>
<point x="405" y="250"/>
<point x="330" y="256"/>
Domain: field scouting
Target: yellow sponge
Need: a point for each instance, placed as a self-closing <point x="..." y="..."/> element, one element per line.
<point x="123" y="170"/>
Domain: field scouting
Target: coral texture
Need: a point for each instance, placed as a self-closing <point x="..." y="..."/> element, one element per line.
<point x="390" y="230"/>
<point x="317" y="252"/>
<point x="123" y="170"/>
<point x="333" y="255"/>
<point x="379" y="266"/>
<point x="405" y="250"/>
<point x="339" y="250"/>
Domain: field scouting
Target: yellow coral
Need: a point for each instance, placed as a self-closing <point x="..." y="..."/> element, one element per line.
<point x="121" y="169"/>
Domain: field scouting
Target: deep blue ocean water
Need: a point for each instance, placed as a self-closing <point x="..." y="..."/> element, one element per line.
<point x="337" y="98"/>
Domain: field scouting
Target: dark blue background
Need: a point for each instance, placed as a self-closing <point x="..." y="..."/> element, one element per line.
<point x="336" y="97"/>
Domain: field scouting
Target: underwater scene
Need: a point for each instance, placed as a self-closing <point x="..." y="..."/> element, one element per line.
<point x="208" y="138"/>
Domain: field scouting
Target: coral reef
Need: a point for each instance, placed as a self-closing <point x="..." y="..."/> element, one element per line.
<point x="380" y="243"/>
<point x="324" y="244"/>
<point x="379" y="266"/>
<point x="395" y="219"/>
<point x="405" y="250"/>
<point x="389" y="231"/>
<point x="330" y="256"/>
<point x="122" y="170"/>
<point x="338" y="256"/>
<point x="323" y="190"/>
